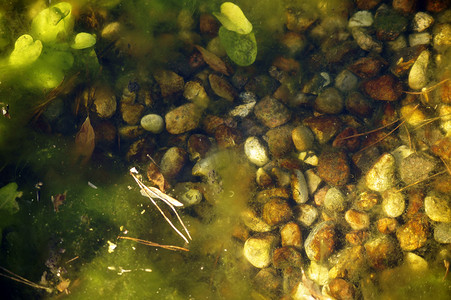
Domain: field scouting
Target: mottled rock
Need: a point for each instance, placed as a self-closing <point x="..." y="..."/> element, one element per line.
<point x="422" y="21"/>
<point x="195" y="92"/>
<point x="367" y="4"/>
<point x="362" y="18"/>
<point x="333" y="167"/>
<point x="313" y="180"/>
<point x="387" y="225"/>
<point x="436" y="5"/>
<point x="367" y="67"/>
<point x="366" y="41"/>
<point x="276" y="211"/>
<point x="227" y="137"/>
<point x="417" y="39"/>
<point x="414" y="233"/>
<point x="258" y="249"/>
<point x="358" y="105"/>
<point x="405" y="6"/>
<point x="306" y="214"/>
<point x="291" y="235"/>
<point x="153" y="123"/>
<point x="334" y="200"/>
<point x="357" y="220"/>
<point x="298" y="20"/>
<point x="347" y="139"/>
<point x="254" y="222"/>
<point x="285" y="257"/>
<point x="279" y="140"/>
<point x="321" y="243"/>
<point x="416" y="167"/>
<point x="104" y="102"/>
<point x="330" y="101"/>
<point x="438" y="207"/>
<point x="198" y="146"/>
<point x="389" y="24"/>
<point x="268" y="280"/>
<point x="131" y="112"/>
<point x="393" y="203"/>
<point x="130" y="132"/>
<point x="442" y="233"/>
<point x="221" y="87"/>
<point x="170" y="82"/>
<point x="299" y="187"/>
<point x="342" y="289"/>
<point x="381" y="176"/>
<point x="412" y="114"/>
<point x="382" y="252"/>
<point x="418" y="77"/>
<point x="386" y="88"/>
<point x="255" y="151"/>
<point x="357" y="237"/>
<point x="183" y="118"/>
<point x="302" y="138"/>
<point x="271" y="112"/>
<point x="173" y="161"/>
<point x="349" y="263"/>
<point x="366" y="201"/>
<point x="442" y="37"/>
<point x="266" y="195"/>
<point x="262" y="178"/>
<point x="324" y="127"/>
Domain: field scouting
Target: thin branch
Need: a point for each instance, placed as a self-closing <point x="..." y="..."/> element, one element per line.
<point x="149" y="243"/>
<point x="23" y="280"/>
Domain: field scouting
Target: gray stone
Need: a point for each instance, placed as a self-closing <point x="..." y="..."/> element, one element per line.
<point x="362" y="18"/>
<point x="346" y="81"/>
<point x="271" y="112"/>
<point x="173" y="161"/>
<point x="442" y="233"/>
<point x="330" y="101"/>
<point x="366" y="41"/>
<point x="438" y="207"/>
<point x="415" y="167"/>
<point x="152" y="123"/>
<point x="423" y="38"/>
<point x="307" y="214"/>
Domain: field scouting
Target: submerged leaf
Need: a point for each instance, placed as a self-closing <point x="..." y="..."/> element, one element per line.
<point x="241" y="48"/>
<point x="233" y="18"/>
<point x="8" y="195"/>
<point x="26" y="50"/>
<point x="84" y="142"/>
<point x="84" y="40"/>
<point x="156" y="177"/>
<point x="213" y="61"/>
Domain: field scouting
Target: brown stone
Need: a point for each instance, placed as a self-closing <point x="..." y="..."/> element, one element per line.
<point x="442" y="148"/>
<point x="385" y="88"/>
<point x="333" y="167"/>
<point x="182" y="119"/>
<point x="279" y="140"/>
<point x="341" y="289"/>
<point x="211" y="122"/>
<point x="324" y="127"/>
<point x="222" y="87"/>
<point x="321" y="243"/>
<point x="268" y="280"/>
<point x="271" y="112"/>
<point x="170" y="82"/>
<point x="405" y="6"/>
<point x="285" y="257"/>
<point x="266" y="195"/>
<point x="387" y="225"/>
<point x="198" y="145"/>
<point x="436" y="5"/>
<point x="367" y="200"/>
<point x="357" y="220"/>
<point x="227" y="137"/>
<point x="382" y="252"/>
<point x="359" y="105"/>
<point x="208" y="24"/>
<point x="414" y="233"/>
<point x="131" y="112"/>
<point x="367" y="4"/>
<point x="276" y="211"/>
<point x="357" y="237"/>
<point x="347" y="139"/>
<point x="416" y="202"/>
<point x="367" y="67"/>
<point x="291" y="235"/>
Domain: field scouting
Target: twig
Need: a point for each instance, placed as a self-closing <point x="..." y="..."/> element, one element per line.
<point x="25" y="281"/>
<point x="149" y="243"/>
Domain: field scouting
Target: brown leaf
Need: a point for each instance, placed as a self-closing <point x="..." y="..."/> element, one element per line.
<point x="213" y="61"/>
<point x="58" y="200"/>
<point x="84" y="142"/>
<point x="156" y="177"/>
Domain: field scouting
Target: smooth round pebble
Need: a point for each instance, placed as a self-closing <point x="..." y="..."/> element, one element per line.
<point x="438" y="207"/>
<point x="346" y="81"/>
<point x="334" y="200"/>
<point x="442" y="233"/>
<point x="393" y="203"/>
<point x="330" y="101"/>
<point x="258" y="249"/>
<point x="418" y="73"/>
<point x="302" y="138"/>
<point x="381" y="176"/>
<point x="153" y="123"/>
<point x="255" y="151"/>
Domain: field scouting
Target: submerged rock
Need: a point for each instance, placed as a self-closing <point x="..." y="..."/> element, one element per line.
<point x="291" y="235"/>
<point x="381" y="176"/>
<point x="153" y="123"/>
<point x="302" y="138"/>
<point x="276" y="211"/>
<point x="418" y="73"/>
<point x="183" y="118"/>
<point x="333" y="167"/>
<point x="414" y="233"/>
<point x="393" y="203"/>
<point x="258" y="249"/>
<point x="438" y="207"/>
<point x="321" y="242"/>
<point x="255" y="151"/>
<point x="271" y="112"/>
<point x="299" y="187"/>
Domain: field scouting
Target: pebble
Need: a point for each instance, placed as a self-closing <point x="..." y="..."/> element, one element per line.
<point x="414" y="233"/>
<point x="221" y="87"/>
<point x="334" y="200"/>
<point x="306" y="214"/>
<point x="346" y="81"/>
<point x="258" y="249"/>
<point x="173" y="161"/>
<point x="313" y="180"/>
<point x="423" y="38"/>
<point x="367" y="4"/>
<point x="330" y="101"/>
<point x="387" y="225"/>
<point x="442" y="37"/>
<point x="195" y="92"/>
<point x="361" y="18"/>
<point x="279" y="140"/>
<point x="266" y="195"/>
<point x="321" y="241"/>
<point x="243" y="110"/>
<point x="271" y="112"/>
<point x="227" y="137"/>
<point x="130" y="132"/>
<point x="198" y="146"/>
<point x="153" y="123"/>
<point x="358" y="105"/>
<point x="389" y="24"/>
<point x="347" y="139"/>
<point x="418" y="73"/>
<point x="291" y="235"/>
<point x="367" y="67"/>
<point x="349" y="263"/>
<point x="276" y="211"/>
<point x="442" y="233"/>
<point x="282" y="176"/>
<point x="366" y="201"/>
<point x="324" y="127"/>
<point x="268" y="280"/>
<point x="416" y="167"/>
<point x="398" y="44"/>
<point x="104" y="102"/>
<point x="422" y="21"/>
<point x="298" y="20"/>
<point x="382" y="252"/>
<point x="318" y="272"/>
<point x="393" y="203"/>
<point x="381" y="176"/>
<point x="285" y="257"/>
<point x="357" y="220"/>
<point x="385" y="88"/>
<point x="341" y="289"/>
<point x="365" y="41"/>
<point x="255" y="151"/>
<point x="438" y="207"/>
<point x="333" y="167"/>
<point x="308" y="157"/>
<point x="131" y="112"/>
<point x="263" y="179"/>
<point x="405" y="6"/>
<point x="357" y="237"/>
<point x="299" y="187"/>
<point x="412" y="114"/>
<point x="183" y="118"/>
<point x="302" y="138"/>
<point x="445" y="120"/>
<point x="170" y="82"/>
<point x="254" y="222"/>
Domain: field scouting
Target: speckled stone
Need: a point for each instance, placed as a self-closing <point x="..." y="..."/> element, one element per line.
<point x="173" y="161"/>
<point x="342" y="289"/>
<point x="442" y="233"/>
<point x="381" y="176"/>
<point x="271" y="112"/>
<point x="279" y="140"/>
<point x="422" y="21"/>
<point x="170" y="82"/>
<point x="438" y="207"/>
<point x="276" y="211"/>
<point x="183" y="118"/>
<point x="393" y="203"/>
<point x="258" y="249"/>
<point x="333" y="167"/>
<point x="386" y="88"/>
<point x="306" y="214"/>
<point x="285" y="257"/>
<point x="350" y="263"/>
<point x="334" y="200"/>
<point x="382" y="252"/>
<point x="414" y="233"/>
<point x="357" y="220"/>
<point x="324" y="127"/>
<point x="330" y="101"/>
<point x="321" y="243"/>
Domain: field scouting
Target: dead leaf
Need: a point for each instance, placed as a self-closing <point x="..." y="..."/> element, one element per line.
<point x="84" y="142"/>
<point x="156" y="177"/>
<point x="58" y="200"/>
<point x="213" y="61"/>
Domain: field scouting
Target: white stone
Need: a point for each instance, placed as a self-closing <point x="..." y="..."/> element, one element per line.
<point x="307" y="214"/>
<point x="153" y="123"/>
<point x="422" y="21"/>
<point x="361" y="18"/>
<point x="255" y="151"/>
<point x="334" y="200"/>
<point x="401" y="153"/>
<point x="381" y="176"/>
<point x="299" y="187"/>
<point x="423" y="38"/>
<point x="438" y="207"/>
<point x="258" y="249"/>
<point x="313" y="180"/>
<point x="393" y="203"/>
<point x="418" y="73"/>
